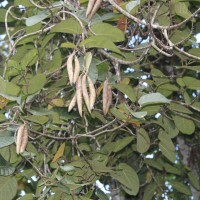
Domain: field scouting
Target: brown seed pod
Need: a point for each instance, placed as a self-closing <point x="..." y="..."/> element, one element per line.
<point x="85" y="92"/>
<point x="105" y="96"/>
<point x="76" y="70"/>
<point x="70" y="68"/>
<point x="79" y="95"/>
<point x="109" y="98"/>
<point x="22" y="139"/>
<point x="90" y="6"/>
<point x="92" y="92"/>
<point x="72" y="103"/>
<point x="94" y="9"/>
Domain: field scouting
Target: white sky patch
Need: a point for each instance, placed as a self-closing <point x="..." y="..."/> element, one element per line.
<point x="105" y="189"/>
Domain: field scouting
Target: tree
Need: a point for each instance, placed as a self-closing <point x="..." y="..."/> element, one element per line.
<point x="113" y="97"/>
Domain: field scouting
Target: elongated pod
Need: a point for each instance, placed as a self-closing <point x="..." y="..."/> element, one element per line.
<point x="24" y="140"/>
<point x="105" y="96"/>
<point x="92" y="92"/>
<point x="109" y="98"/>
<point x="72" y="103"/>
<point x="90" y="6"/>
<point x="76" y="69"/>
<point x="94" y="9"/>
<point x="85" y="92"/>
<point x="70" y="68"/>
<point x="79" y="95"/>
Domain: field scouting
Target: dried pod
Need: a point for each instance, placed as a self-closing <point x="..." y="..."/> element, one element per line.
<point x="92" y="92"/>
<point x="70" y="68"/>
<point x="85" y="92"/>
<point x="22" y="139"/>
<point x="79" y="95"/>
<point x="72" y="103"/>
<point x="94" y="9"/>
<point x="76" y="70"/>
<point x="105" y="96"/>
<point x="109" y="98"/>
<point x="90" y="6"/>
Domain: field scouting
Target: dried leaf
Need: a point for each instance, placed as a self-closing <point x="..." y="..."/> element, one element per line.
<point x="85" y="92"/>
<point x="79" y="95"/>
<point x="76" y="70"/>
<point x="90" y="6"/>
<point x="59" y="153"/>
<point x="70" y="68"/>
<point x="72" y="103"/>
<point x="22" y="139"/>
<point x="105" y="96"/>
<point x="92" y="92"/>
<point x="94" y="9"/>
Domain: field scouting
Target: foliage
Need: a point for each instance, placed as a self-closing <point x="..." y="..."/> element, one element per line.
<point x="147" y="52"/>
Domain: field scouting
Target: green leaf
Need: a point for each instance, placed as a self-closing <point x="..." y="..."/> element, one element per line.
<point x="149" y="191"/>
<point x="2" y="16"/>
<point x="152" y="98"/>
<point x="165" y="138"/>
<point x="6" y="138"/>
<point x="67" y="168"/>
<point x="184" y="125"/>
<point x="8" y="187"/>
<point x="128" y="178"/>
<point x="181" y="9"/>
<point x="171" y="169"/>
<point x="5" y="168"/>
<point x="99" y="41"/>
<point x="153" y="163"/>
<point x="28" y="196"/>
<point x="36" y="83"/>
<point x="122" y="143"/>
<point x="68" y="45"/>
<point x="180" y="108"/>
<point x="8" y="88"/>
<point x="131" y="5"/>
<point x="181" y="187"/>
<point x="119" y="115"/>
<point x="169" y="154"/>
<point x="108" y="31"/>
<point x="191" y="83"/>
<point x="194" y="51"/>
<point x="194" y="180"/>
<point x="28" y="57"/>
<point x="126" y="89"/>
<point x="139" y="115"/>
<point x="24" y="3"/>
<point x="70" y="25"/>
<point x="101" y="195"/>
<point x="37" y="119"/>
<point x="143" y="141"/>
<point x="170" y="127"/>
<point x="37" y="18"/>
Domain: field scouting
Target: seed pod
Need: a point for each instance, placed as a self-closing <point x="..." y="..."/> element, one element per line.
<point x="90" y="6"/>
<point x="76" y="70"/>
<point x="85" y="92"/>
<point x="79" y="95"/>
<point x="70" y="68"/>
<point x="94" y="9"/>
<point x="105" y="96"/>
<point x="109" y="98"/>
<point x="72" y="103"/>
<point x="92" y="92"/>
<point x="22" y="139"/>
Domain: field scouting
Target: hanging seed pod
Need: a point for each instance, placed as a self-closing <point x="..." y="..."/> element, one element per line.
<point x="90" y="6"/>
<point x="79" y="95"/>
<point x="95" y="8"/>
<point x="72" y="103"/>
<point x="92" y="92"/>
<point x="109" y="99"/>
<point x="105" y="96"/>
<point x="70" y="68"/>
<point x="22" y="139"/>
<point x="76" y="70"/>
<point x="85" y="92"/>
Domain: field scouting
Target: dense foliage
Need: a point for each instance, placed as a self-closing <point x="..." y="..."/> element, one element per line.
<point x="142" y="142"/>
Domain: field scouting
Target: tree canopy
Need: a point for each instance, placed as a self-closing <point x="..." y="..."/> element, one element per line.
<point x="99" y="91"/>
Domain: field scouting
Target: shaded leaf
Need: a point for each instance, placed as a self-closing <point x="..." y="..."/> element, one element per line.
<point x="5" y="168"/>
<point x="8" y="187"/>
<point x="143" y="141"/>
<point x="194" y="180"/>
<point x="181" y="187"/>
<point x="37" y="119"/>
<point x="149" y="191"/>
<point x="126" y="89"/>
<point x="153" y="163"/>
<point x="167" y="152"/>
<point x="101" y="195"/>
<point x="171" y="169"/>
<point x="122" y="143"/>
<point x="6" y="138"/>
